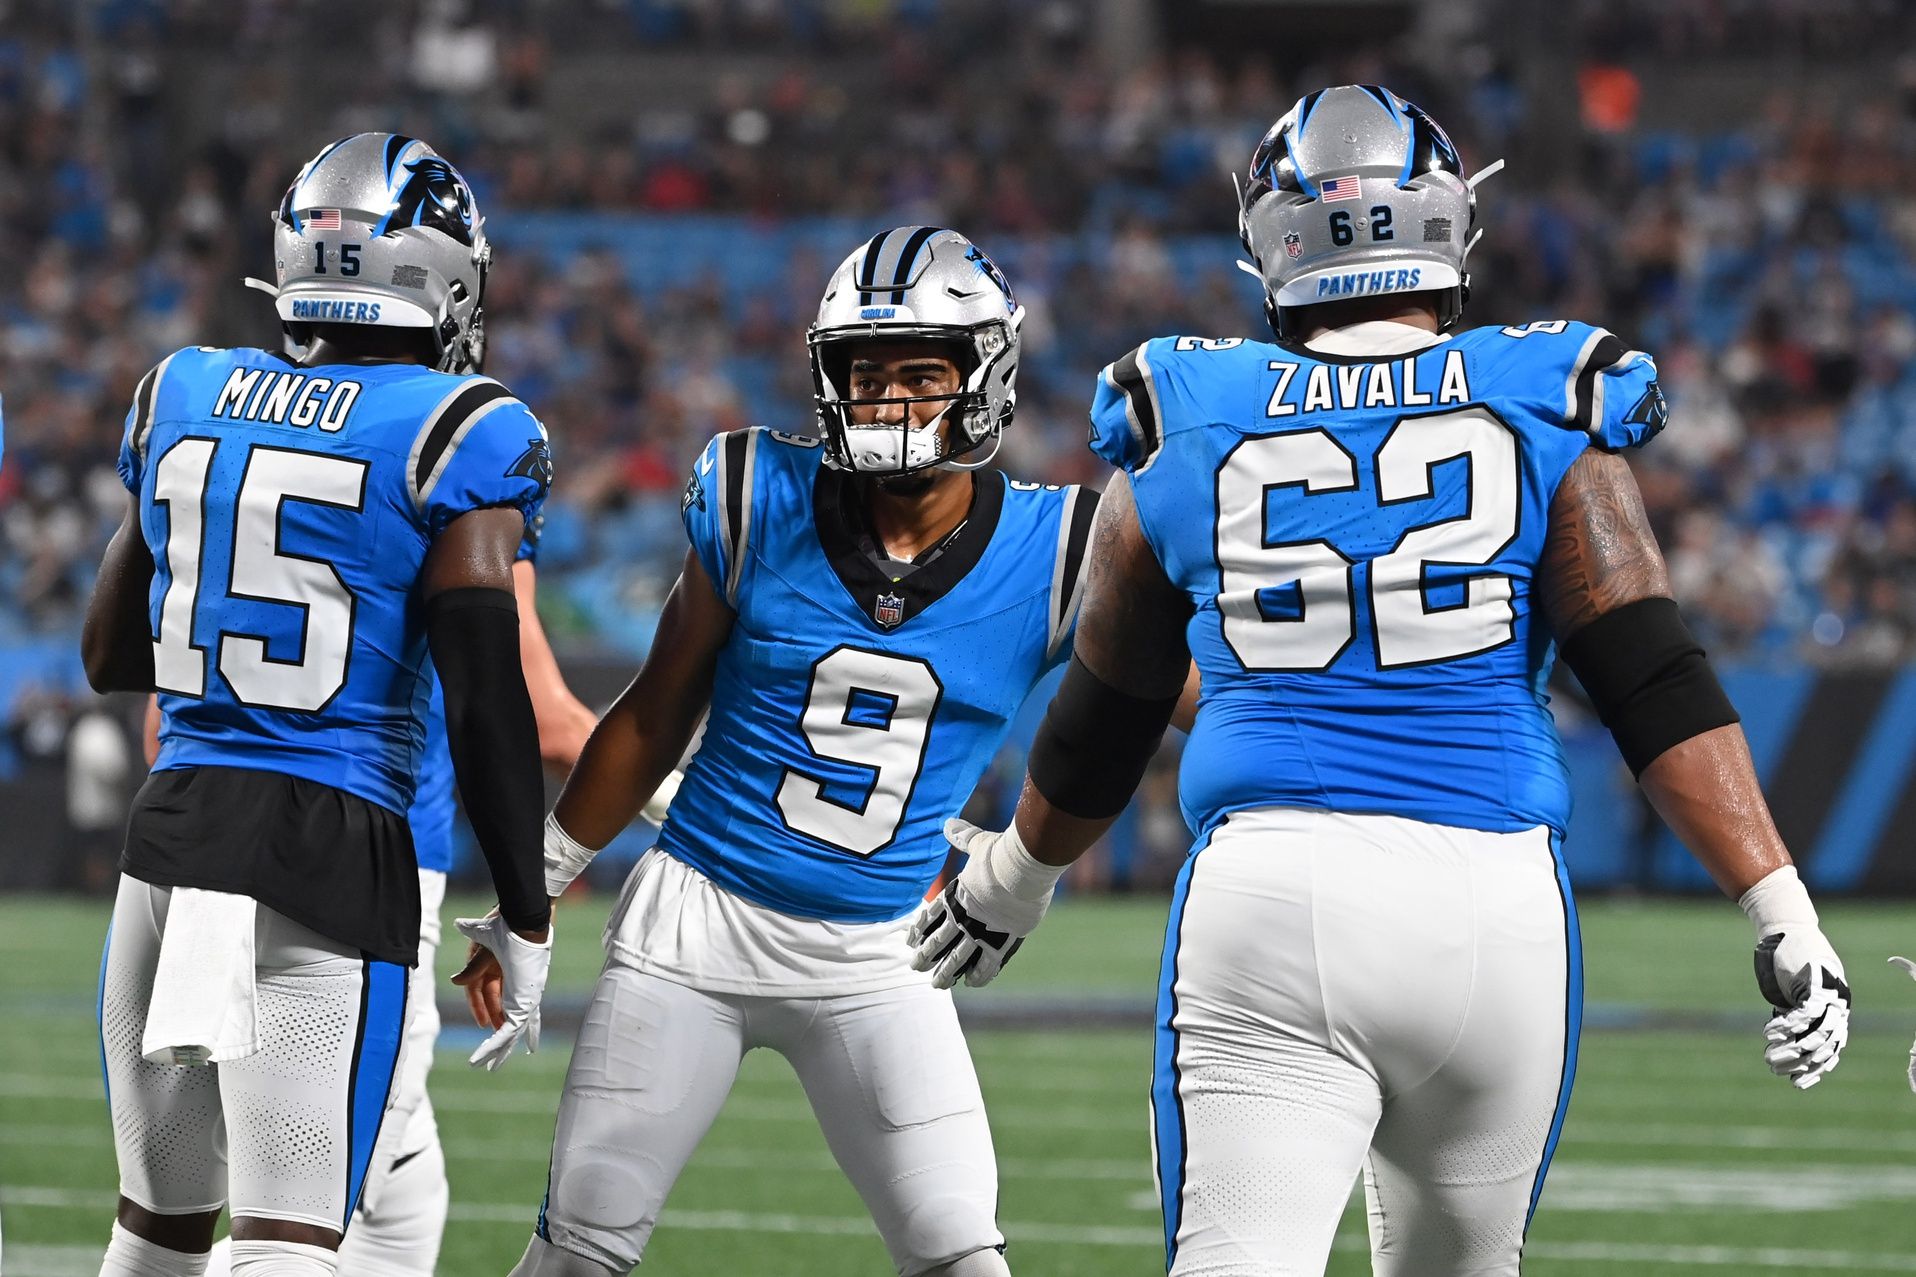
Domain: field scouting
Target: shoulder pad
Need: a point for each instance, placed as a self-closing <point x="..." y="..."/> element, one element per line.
<point x="146" y="395"/>
<point x="461" y="408"/>
<point x="1127" y="413"/>
<point x="1067" y="576"/>
<point x="1595" y="384"/>
<point x="717" y="506"/>
<point x="1611" y="392"/>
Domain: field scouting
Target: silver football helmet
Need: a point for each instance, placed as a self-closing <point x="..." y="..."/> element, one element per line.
<point x="918" y="283"/>
<point x="379" y="229"/>
<point x="1354" y="193"/>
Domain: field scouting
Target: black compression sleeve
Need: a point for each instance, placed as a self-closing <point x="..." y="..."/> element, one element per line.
<point x="1094" y="744"/>
<point x="1648" y="678"/>
<point x="474" y="634"/>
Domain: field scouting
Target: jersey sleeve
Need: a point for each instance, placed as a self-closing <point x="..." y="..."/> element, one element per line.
<point x="717" y="508"/>
<point x="1611" y="393"/>
<point x="1127" y="409"/>
<point x="479" y="448"/>
<point x="139" y="424"/>
<point x="1067" y="577"/>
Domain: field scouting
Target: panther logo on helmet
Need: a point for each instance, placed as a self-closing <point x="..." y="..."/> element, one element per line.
<point x="989" y="269"/>
<point x="433" y="196"/>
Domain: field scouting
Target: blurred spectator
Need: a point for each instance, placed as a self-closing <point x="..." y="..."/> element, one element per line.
<point x="1772" y="266"/>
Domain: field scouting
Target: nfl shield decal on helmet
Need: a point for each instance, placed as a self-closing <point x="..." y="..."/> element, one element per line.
<point x="890" y="610"/>
<point x="1293" y="243"/>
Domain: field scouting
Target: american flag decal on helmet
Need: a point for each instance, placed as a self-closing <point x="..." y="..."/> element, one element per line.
<point x="1340" y="188"/>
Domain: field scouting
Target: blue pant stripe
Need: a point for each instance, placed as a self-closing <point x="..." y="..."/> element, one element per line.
<point x="99" y="1014"/>
<point x="382" y="1023"/>
<point x="1166" y="1106"/>
<point x="1572" y="1022"/>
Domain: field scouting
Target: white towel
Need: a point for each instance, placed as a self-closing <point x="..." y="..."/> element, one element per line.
<point x="203" y="998"/>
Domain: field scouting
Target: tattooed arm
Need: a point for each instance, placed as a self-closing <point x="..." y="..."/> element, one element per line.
<point x="1131" y="636"/>
<point x="1600" y="556"/>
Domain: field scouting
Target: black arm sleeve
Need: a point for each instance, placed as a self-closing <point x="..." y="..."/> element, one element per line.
<point x="474" y="634"/>
<point x="1094" y="744"/>
<point x="1648" y="678"/>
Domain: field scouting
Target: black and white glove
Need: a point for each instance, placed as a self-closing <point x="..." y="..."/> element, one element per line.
<point x="523" y="967"/>
<point x="970" y="929"/>
<point x="1909" y="969"/>
<point x="1801" y="976"/>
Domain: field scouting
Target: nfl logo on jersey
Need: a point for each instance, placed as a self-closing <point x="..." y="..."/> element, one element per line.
<point x="890" y="610"/>
<point x="1293" y="244"/>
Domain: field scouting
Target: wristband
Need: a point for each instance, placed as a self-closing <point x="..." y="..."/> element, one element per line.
<point x="1016" y="872"/>
<point x="566" y="857"/>
<point x="1778" y="902"/>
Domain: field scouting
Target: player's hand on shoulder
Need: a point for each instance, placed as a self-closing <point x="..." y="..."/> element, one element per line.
<point x="970" y="929"/>
<point x="1909" y="969"/>
<point x="1798" y="971"/>
<point x="504" y="979"/>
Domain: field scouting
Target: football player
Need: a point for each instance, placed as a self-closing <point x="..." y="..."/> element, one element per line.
<point x="1372" y="534"/>
<point x="862" y="615"/>
<point x="402" y="1209"/>
<point x="301" y="533"/>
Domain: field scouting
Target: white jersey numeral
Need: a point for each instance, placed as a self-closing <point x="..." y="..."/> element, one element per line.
<point x="873" y="711"/>
<point x="1318" y="628"/>
<point x="179" y="483"/>
<point x="260" y="570"/>
<point x="1318" y="622"/>
<point x="1410" y="631"/>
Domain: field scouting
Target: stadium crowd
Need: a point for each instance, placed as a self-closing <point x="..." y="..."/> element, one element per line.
<point x="1769" y="267"/>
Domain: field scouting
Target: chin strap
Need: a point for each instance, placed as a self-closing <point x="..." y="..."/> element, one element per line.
<point x="959" y="463"/>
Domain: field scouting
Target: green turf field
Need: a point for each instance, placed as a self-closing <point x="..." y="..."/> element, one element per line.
<point x="1682" y="1154"/>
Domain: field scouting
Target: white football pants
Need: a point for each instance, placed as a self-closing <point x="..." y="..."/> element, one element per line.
<point x="402" y="1209"/>
<point x="297" y="1120"/>
<point x="887" y="1073"/>
<point x="1348" y="993"/>
<point x="402" y="1213"/>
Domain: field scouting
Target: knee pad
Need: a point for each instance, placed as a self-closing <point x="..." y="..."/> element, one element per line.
<point x="989" y="1262"/>
<point x="282" y="1259"/>
<point x="130" y="1255"/>
<point x="543" y="1259"/>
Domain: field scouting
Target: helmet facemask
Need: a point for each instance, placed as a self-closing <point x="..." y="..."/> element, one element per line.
<point x="964" y="423"/>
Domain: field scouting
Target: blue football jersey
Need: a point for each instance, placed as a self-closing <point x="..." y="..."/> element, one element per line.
<point x="289" y="510"/>
<point x="1360" y="538"/>
<point x="433" y="802"/>
<point x="852" y="713"/>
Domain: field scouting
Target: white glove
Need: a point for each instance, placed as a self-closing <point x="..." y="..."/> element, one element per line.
<point x="1801" y="976"/>
<point x="972" y="927"/>
<point x="1910" y="968"/>
<point x="523" y="967"/>
<point x="660" y="802"/>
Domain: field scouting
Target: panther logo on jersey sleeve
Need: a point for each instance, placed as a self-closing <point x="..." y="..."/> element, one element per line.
<point x="535" y="463"/>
